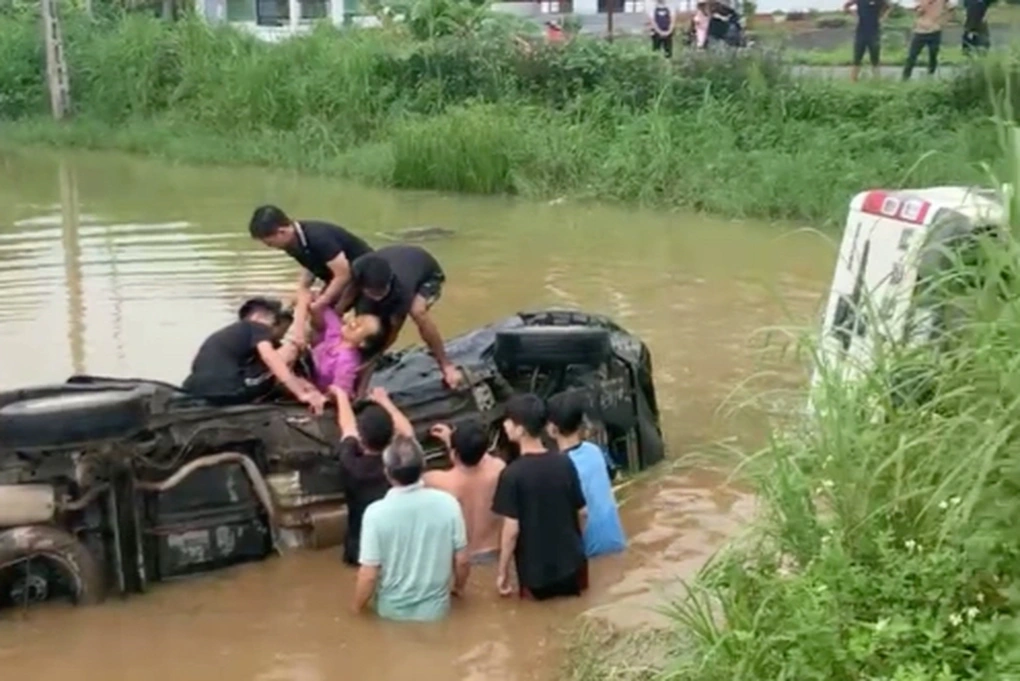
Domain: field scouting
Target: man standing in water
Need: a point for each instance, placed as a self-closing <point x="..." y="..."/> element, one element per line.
<point x="868" y="36"/>
<point x="396" y="282"/>
<point x="323" y="249"/>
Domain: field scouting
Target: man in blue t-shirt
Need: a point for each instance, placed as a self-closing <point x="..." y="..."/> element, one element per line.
<point x="604" y="533"/>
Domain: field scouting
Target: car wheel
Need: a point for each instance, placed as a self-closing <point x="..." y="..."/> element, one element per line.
<point x="72" y="417"/>
<point x="41" y="563"/>
<point x="552" y="346"/>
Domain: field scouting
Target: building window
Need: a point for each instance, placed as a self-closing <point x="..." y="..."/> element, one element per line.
<point x="555" y="6"/>
<point x="240" y="10"/>
<point x="277" y="12"/>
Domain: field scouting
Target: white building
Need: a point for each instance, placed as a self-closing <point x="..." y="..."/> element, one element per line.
<point x="275" y="19"/>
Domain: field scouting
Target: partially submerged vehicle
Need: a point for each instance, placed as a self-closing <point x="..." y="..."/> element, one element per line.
<point x="114" y="484"/>
<point x="897" y="246"/>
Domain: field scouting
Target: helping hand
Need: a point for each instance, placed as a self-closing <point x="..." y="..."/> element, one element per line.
<point x="452" y="376"/>
<point x="314" y="399"/>
<point x="442" y="432"/>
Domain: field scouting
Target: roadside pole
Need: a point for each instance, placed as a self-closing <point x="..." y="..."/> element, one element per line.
<point x="56" y="67"/>
<point x="610" y="7"/>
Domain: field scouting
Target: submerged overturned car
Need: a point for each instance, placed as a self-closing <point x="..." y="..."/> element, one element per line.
<point x="113" y="484"/>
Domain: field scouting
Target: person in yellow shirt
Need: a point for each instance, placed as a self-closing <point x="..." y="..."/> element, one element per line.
<point x="931" y="17"/>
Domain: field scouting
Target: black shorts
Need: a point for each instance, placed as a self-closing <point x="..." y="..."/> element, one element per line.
<point x="869" y="41"/>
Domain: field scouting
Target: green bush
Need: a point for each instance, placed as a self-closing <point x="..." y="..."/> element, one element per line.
<point x="734" y="133"/>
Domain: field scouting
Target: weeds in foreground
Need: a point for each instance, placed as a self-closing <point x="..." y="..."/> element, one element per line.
<point x="888" y="547"/>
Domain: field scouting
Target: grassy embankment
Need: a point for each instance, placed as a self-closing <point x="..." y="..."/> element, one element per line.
<point x="732" y="135"/>
<point x="1004" y="20"/>
<point x="887" y="545"/>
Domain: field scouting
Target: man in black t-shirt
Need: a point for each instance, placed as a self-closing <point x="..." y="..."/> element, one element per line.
<point x="540" y="498"/>
<point x="324" y="250"/>
<point x="240" y="363"/>
<point x="868" y="35"/>
<point x="364" y="435"/>
<point x="393" y="283"/>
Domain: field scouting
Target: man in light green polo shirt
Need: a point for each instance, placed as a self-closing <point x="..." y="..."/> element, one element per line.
<point x="413" y="543"/>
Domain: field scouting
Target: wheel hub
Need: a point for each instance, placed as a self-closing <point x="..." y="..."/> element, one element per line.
<point x="29" y="588"/>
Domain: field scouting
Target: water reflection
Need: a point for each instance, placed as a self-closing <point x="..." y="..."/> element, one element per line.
<point x="122" y="267"/>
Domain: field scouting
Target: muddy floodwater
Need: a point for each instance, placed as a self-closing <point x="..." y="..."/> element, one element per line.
<point x="118" y="266"/>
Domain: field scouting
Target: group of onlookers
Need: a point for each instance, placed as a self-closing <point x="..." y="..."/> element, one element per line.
<point x="713" y="22"/>
<point x="927" y="31"/>
<point x="415" y="535"/>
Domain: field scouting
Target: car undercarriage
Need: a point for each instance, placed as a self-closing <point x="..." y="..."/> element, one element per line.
<point x="109" y="485"/>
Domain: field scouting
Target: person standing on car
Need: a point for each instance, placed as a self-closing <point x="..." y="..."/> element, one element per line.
<point x="540" y="498"/>
<point x="868" y="34"/>
<point x="393" y="283"/>
<point x="931" y="15"/>
<point x="363" y="437"/>
<point x="240" y="362"/>
<point x="413" y="543"/>
<point x="325" y="251"/>
<point x="472" y="480"/>
<point x="662" y="22"/>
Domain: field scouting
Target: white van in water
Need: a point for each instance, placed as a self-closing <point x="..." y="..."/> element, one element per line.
<point x="893" y="239"/>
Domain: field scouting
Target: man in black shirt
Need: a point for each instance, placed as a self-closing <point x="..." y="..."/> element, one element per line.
<point x="540" y="498"/>
<point x="324" y="250"/>
<point x="868" y="35"/>
<point x="976" y="37"/>
<point x="364" y="435"/>
<point x="240" y="363"/>
<point x="393" y="283"/>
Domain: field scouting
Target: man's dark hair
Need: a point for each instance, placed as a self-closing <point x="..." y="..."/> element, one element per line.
<point x="470" y="441"/>
<point x="373" y="272"/>
<point x="404" y="460"/>
<point x="528" y="411"/>
<point x="266" y="220"/>
<point x="260" y="304"/>
<point x="566" y="411"/>
<point x="375" y="425"/>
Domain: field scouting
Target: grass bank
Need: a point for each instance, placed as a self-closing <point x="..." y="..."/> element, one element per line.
<point x="734" y="135"/>
<point x="887" y="544"/>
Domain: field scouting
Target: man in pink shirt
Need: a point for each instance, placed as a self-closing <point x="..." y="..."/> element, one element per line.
<point x="472" y="480"/>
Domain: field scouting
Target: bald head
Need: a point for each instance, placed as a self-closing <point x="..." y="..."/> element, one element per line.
<point x="404" y="461"/>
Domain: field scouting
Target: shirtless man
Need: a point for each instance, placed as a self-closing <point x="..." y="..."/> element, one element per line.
<point x="472" y="480"/>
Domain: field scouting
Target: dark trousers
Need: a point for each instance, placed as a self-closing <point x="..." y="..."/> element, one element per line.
<point x="664" y="43"/>
<point x="976" y="41"/>
<point x="870" y="41"/>
<point x="919" y="41"/>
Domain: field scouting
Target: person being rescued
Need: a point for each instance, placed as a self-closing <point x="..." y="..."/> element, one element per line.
<point x="341" y="347"/>
<point x="246" y="361"/>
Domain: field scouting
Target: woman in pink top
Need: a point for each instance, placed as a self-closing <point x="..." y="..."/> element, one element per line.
<point x="337" y="353"/>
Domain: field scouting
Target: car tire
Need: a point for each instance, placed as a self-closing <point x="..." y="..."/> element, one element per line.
<point x="552" y="346"/>
<point x="75" y="564"/>
<point x="72" y="417"/>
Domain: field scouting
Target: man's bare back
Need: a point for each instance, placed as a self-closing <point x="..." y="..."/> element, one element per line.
<point x="474" y="487"/>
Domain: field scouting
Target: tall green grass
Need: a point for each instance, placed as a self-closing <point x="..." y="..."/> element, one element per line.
<point x="888" y="546"/>
<point x="731" y="134"/>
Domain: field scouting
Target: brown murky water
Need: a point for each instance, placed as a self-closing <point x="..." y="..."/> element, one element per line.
<point x="119" y="266"/>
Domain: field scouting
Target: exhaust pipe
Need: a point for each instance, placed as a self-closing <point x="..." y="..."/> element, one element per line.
<point x="27" y="504"/>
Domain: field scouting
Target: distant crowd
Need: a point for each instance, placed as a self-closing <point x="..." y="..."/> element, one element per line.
<point x="414" y="535"/>
<point x="716" y="23"/>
